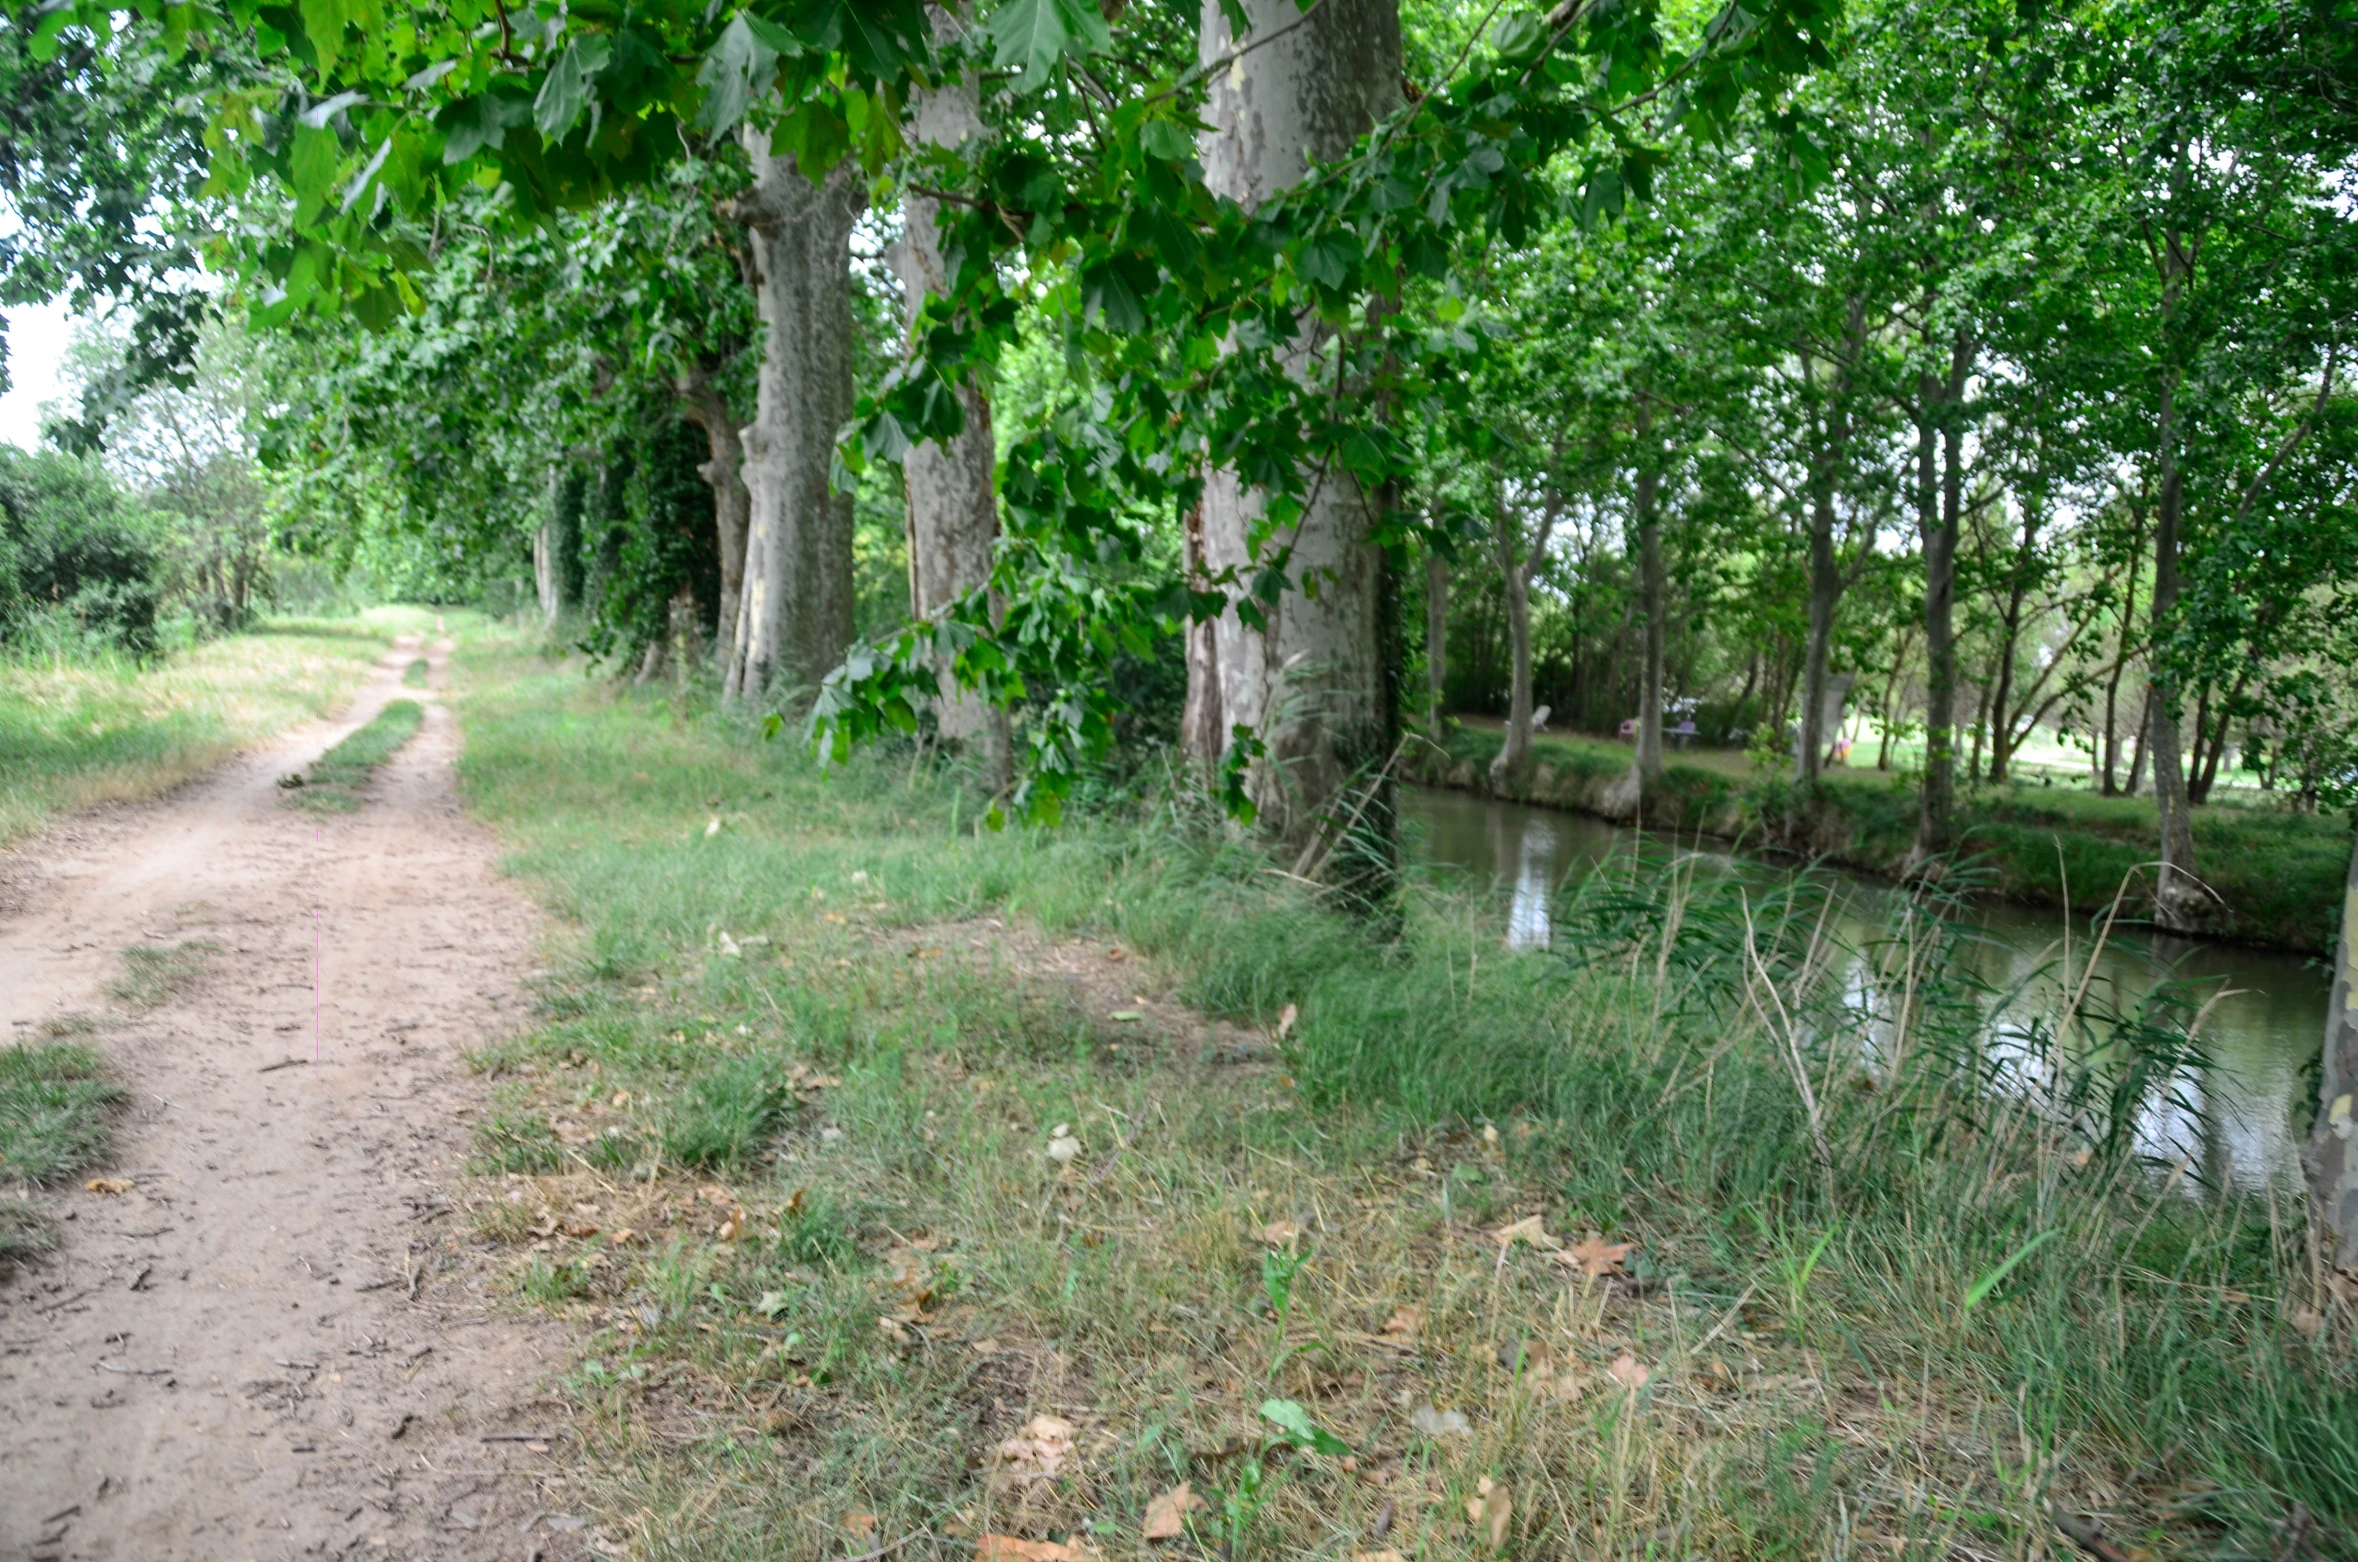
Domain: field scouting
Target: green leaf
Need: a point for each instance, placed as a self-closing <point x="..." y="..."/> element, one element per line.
<point x="1989" y="1282"/>
<point x="737" y="66"/>
<point x="324" y="21"/>
<point x="566" y="91"/>
<point x="1300" y="1430"/>
<point x="312" y="165"/>
<point x="1108" y="299"/>
<point x="43" y="45"/>
<point x="1166" y="139"/>
<point x="1517" y="37"/>
<point x="1036" y="34"/>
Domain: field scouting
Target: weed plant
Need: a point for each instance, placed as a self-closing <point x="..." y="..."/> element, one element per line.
<point x="862" y="1140"/>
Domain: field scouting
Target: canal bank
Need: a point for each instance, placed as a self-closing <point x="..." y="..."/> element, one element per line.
<point x="2277" y="875"/>
<point x="2239" y="1111"/>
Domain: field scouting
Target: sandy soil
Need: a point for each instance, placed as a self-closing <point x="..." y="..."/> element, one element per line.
<point x="273" y="1344"/>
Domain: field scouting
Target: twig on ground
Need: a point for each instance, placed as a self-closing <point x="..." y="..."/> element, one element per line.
<point x="2088" y="1535"/>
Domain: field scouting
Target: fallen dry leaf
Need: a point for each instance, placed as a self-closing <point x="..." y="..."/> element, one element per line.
<point x="1281" y="1233"/>
<point x="1440" y="1423"/>
<point x="733" y="1227"/>
<point x="1285" y="1021"/>
<point x="1385" y="1555"/>
<point x="1596" y="1258"/>
<point x="1166" y="1516"/>
<point x="859" y="1524"/>
<point x="1492" y="1508"/>
<point x="108" y="1185"/>
<point x="1008" y="1548"/>
<point x="1037" y="1452"/>
<point x="1531" y="1229"/>
<point x="1629" y="1372"/>
<point x="1404" y="1322"/>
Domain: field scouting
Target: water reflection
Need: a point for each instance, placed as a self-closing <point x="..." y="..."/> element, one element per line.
<point x="2260" y="1031"/>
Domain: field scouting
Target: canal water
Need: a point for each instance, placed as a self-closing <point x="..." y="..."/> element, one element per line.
<point x="2261" y="1033"/>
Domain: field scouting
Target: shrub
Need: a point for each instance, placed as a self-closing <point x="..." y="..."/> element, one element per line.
<point x="73" y="547"/>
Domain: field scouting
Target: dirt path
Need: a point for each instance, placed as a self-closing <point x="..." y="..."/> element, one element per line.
<point x="272" y="1346"/>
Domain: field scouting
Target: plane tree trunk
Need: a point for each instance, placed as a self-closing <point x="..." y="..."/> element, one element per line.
<point x="794" y="620"/>
<point x="1312" y="684"/>
<point x="2332" y="1159"/>
<point x="723" y="468"/>
<point x="953" y="507"/>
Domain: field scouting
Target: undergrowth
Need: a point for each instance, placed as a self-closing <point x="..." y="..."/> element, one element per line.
<point x="912" y="1181"/>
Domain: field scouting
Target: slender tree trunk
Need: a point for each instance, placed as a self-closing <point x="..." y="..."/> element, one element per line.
<point x="1825" y="575"/>
<point x="1513" y="762"/>
<point x="544" y="575"/>
<point x="2137" y="745"/>
<point x="1312" y="683"/>
<point x="2332" y="1158"/>
<point x="1436" y="640"/>
<point x="1939" y="520"/>
<point x="953" y="507"/>
<point x="1655" y="593"/>
<point x="2120" y="662"/>
<point x="2178" y="897"/>
<point x="723" y="469"/>
<point x="795" y="621"/>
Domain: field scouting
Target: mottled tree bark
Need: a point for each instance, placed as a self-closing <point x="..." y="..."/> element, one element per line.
<point x="2332" y="1162"/>
<point x="1312" y="684"/>
<point x="724" y="470"/>
<point x="795" y="619"/>
<point x="953" y="508"/>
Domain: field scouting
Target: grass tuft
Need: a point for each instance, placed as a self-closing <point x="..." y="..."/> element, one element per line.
<point x="54" y="1101"/>
<point x="414" y="675"/>
<point x="154" y="975"/>
<point x="723" y="1117"/>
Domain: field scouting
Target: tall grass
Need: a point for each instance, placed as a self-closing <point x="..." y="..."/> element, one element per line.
<point x="1902" y="1280"/>
<point x="99" y="727"/>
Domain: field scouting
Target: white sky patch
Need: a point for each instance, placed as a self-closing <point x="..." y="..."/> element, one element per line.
<point x="38" y="335"/>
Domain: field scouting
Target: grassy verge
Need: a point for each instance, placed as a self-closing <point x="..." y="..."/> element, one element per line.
<point x="2278" y="874"/>
<point x="76" y="734"/>
<point x="900" y="1188"/>
<point x="333" y="783"/>
<point x="55" y="1102"/>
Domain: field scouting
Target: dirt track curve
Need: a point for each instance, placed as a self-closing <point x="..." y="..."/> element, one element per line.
<point x="271" y="1346"/>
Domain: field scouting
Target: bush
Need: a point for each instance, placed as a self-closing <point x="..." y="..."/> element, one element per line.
<point x="76" y="555"/>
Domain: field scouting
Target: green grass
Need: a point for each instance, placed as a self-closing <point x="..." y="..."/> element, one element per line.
<point x="799" y="1198"/>
<point x="2277" y="874"/>
<point x="414" y="675"/>
<point x="153" y="974"/>
<point x="54" y="1098"/>
<point x="74" y="734"/>
<point x="333" y="783"/>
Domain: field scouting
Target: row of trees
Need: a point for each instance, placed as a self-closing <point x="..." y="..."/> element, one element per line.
<point x="1994" y="330"/>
